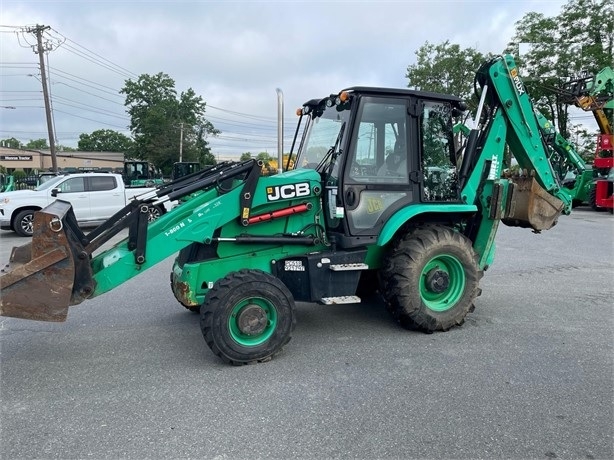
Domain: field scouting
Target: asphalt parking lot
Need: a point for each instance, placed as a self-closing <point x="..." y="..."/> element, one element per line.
<point x="529" y="375"/>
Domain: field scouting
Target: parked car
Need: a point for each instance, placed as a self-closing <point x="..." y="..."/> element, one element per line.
<point x="94" y="197"/>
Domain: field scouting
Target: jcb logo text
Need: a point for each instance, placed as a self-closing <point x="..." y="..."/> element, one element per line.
<point x="283" y="192"/>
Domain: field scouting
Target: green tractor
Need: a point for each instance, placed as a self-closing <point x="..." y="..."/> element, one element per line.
<point x="141" y="174"/>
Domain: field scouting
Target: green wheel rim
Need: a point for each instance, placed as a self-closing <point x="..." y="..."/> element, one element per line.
<point x="446" y="297"/>
<point x="251" y="340"/>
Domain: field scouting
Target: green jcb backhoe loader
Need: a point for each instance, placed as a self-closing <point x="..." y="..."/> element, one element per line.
<point x="379" y="192"/>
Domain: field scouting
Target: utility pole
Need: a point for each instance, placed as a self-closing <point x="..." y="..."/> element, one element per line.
<point x="181" y="142"/>
<point x="38" y="31"/>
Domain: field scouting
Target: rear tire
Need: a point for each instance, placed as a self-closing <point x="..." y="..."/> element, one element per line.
<point x="24" y="223"/>
<point x="431" y="279"/>
<point x="247" y="317"/>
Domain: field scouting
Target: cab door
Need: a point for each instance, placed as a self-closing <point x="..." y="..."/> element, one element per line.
<point x="381" y="173"/>
<point x="73" y="189"/>
<point x="106" y="196"/>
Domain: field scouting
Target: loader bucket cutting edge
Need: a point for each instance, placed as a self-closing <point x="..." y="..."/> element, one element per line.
<point x="531" y="206"/>
<point x="52" y="272"/>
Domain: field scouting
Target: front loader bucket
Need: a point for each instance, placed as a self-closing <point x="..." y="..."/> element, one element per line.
<point x="52" y="272"/>
<point x="531" y="206"/>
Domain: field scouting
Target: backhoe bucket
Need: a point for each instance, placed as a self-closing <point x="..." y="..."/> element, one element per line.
<point x="52" y="272"/>
<point x="531" y="206"/>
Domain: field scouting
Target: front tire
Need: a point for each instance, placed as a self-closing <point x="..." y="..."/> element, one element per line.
<point x="431" y="279"/>
<point x="24" y="223"/>
<point x="247" y="317"/>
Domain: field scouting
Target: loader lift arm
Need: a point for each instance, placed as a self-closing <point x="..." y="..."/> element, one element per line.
<point x="214" y="196"/>
<point x="133" y="215"/>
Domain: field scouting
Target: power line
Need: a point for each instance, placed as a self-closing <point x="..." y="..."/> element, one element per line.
<point x="89" y="86"/>
<point x="101" y="58"/>
<point x="90" y="119"/>
<point x="86" y="92"/>
<point x="239" y="127"/>
<point x="73" y="50"/>
<point x="245" y="115"/>
<point x="89" y="109"/>
<point x="84" y="79"/>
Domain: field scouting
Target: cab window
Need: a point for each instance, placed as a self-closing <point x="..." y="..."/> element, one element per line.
<point x="440" y="178"/>
<point x="73" y="185"/>
<point x="379" y="153"/>
<point x="99" y="184"/>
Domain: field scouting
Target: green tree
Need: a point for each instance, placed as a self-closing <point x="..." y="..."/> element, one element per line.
<point x="37" y="144"/>
<point x="104" y="140"/>
<point x="205" y="156"/>
<point x="446" y="68"/>
<point x="264" y="157"/>
<point x="554" y="50"/>
<point x="245" y="156"/>
<point x="162" y="122"/>
<point x="11" y="143"/>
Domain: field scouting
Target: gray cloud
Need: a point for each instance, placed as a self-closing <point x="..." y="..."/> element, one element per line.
<point x="234" y="54"/>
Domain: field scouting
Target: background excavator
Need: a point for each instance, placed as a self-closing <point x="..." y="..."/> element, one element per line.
<point x="249" y="246"/>
<point x="571" y="169"/>
<point x="595" y="93"/>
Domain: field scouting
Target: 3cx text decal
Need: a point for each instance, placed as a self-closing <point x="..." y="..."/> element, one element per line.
<point x="282" y="192"/>
<point x="516" y="80"/>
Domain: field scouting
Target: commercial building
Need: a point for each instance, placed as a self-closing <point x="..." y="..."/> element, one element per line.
<point x="31" y="161"/>
<point x="40" y="160"/>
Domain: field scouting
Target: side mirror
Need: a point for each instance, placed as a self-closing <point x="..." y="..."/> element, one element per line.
<point x="54" y="192"/>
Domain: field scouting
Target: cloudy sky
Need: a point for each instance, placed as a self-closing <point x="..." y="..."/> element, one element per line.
<point x="232" y="53"/>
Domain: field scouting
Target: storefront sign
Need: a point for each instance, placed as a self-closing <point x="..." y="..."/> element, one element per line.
<point x="16" y="157"/>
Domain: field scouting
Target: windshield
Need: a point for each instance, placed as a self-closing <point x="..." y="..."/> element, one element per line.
<point x="323" y="135"/>
<point x="49" y="183"/>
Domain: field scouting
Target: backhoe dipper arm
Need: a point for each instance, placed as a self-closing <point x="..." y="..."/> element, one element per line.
<point x="534" y="200"/>
<point x="513" y="122"/>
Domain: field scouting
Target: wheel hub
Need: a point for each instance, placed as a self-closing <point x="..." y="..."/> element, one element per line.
<point x="252" y="320"/>
<point x="437" y="281"/>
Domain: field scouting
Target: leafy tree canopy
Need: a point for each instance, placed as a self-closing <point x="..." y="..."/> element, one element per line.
<point x="264" y="156"/>
<point x="37" y="144"/>
<point x="554" y="50"/>
<point x="164" y="123"/>
<point x="446" y="68"/>
<point x="550" y="51"/>
<point x="11" y="143"/>
<point x="64" y="148"/>
<point x="104" y="140"/>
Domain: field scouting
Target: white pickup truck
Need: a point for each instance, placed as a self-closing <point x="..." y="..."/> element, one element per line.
<point x="94" y="197"/>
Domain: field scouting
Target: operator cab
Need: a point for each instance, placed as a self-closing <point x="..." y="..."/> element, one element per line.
<point x="379" y="150"/>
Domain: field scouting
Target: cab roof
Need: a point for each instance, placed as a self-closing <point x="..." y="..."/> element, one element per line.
<point x="377" y="91"/>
